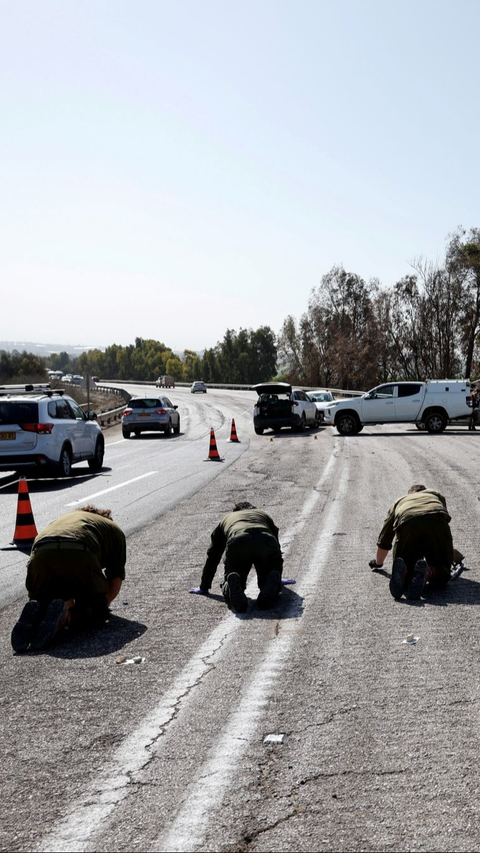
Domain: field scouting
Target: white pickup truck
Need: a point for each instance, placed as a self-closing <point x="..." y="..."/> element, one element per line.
<point x="429" y="405"/>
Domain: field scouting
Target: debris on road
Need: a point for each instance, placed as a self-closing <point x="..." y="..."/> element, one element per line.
<point x="273" y="738"/>
<point x="411" y="639"/>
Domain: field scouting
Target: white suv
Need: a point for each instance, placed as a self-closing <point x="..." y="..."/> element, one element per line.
<point x="46" y="430"/>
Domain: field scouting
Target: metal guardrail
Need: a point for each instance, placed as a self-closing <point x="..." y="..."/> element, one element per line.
<point x="233" y="387"/>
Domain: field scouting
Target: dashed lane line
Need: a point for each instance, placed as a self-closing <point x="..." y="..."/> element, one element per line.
<point x="111" y="489"/>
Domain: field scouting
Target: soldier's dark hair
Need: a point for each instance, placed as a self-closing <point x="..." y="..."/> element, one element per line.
<point x="243" y="505"/>
<point x="105" y="513"/>
<point x="416" y="489"/>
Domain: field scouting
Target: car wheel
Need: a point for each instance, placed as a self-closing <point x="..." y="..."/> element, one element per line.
<point x="96" y="463"/>
<point x="177" y="428"/>
<point x="137" y="432"/>
<point x="168" y="430"/>
<point x="347" y="425"/>
<point x="259" y="430"/>
<point x="126" y="433"/>
<point x="205" y="391"/>
<point x="64" y="467"/>
<point x="436" y="422"/>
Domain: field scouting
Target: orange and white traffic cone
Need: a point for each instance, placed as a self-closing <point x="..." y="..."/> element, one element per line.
<point x="233" y="432"/>
<point x="213" y="452"/>
<point x="25" y="530"/>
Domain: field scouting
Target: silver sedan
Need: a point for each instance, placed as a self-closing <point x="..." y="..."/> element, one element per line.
<point x="150" y="414"/>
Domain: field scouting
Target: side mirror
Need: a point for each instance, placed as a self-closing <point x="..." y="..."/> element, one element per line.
<point x="175" y="407"/>
<point x="368" y="397"/>
<point x="92" y="416"/>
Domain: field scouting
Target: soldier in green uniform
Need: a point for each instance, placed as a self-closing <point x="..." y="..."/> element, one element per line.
<point x="418" y="526"/>
<point x="75" y="570"/>
<point x="249" y="537"/>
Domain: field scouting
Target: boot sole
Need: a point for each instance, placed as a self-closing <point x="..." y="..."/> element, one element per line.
<point x="51" y="624"/>
<point x="416" y="585"/>
<point x="397" y="580"/>
<point x="238" y="599"/>
<point x="24" y="630"/>
<point x="269" y="591"/>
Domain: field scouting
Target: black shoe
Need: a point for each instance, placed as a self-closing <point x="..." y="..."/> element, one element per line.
<point x="24" y="630"/>
<point x="416" y="585"/>
<point x="236" y="594"/>
<point x="269" y="591"/>
<point x="56" y="617"/>
<point x="397" y="581"/>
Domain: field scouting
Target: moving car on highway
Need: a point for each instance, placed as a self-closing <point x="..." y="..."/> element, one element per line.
<point x="150" y="414"/>
<point x="279" y="406"/>
<point x="46" y="431"/>
<point x="198" y="386"/>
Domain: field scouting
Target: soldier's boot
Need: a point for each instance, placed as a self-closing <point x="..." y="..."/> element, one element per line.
<point x="57" y="617"/>
<point x="267" y="596"/>
<point x="234" y="593"/>
<point x="23" y="631"/>
<point x="416" y="585"/>
<point x="399" y="576"/>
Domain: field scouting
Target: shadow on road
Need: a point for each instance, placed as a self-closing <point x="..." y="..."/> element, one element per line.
<point x="289" y="605"/>
<point x="115" y="635"/>
<point x="460" y="591"/>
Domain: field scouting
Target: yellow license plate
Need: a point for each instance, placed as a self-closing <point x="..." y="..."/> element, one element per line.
<point x="142" y="415"/>
<point x="7" y="436"/>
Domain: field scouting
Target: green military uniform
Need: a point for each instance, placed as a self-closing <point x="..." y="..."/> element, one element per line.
<point x="418" y="526"/>
<point x="249" y="537"/>
<point x="68" y="559"/>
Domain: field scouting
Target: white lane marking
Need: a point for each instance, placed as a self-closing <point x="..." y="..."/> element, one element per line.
<point x="111" y="489"/>
<point x="188" y="830"/>
<point x="88" y="814"/>
<point x="120" y="441"/>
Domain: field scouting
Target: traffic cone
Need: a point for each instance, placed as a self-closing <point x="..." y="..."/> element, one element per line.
<point x="25" y="530"/>
<point x="233" y="432"/>
<point x="213" y="452"/>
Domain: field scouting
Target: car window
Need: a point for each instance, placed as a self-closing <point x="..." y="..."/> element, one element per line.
<point x="321" y="397"/>
<point x="145" y="403"/>
<point x="77" y="411"/>
<point x="408" y="390"/>
<point x="166" y="403"/>
<point x="299" y="395"/>
<point x="23" y="412"/>
<point x="59" y="409"/>
<point x="384" y="392"/>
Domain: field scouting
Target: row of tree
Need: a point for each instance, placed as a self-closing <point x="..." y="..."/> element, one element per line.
<point x="354" y="335"/>
<point x="245" y="357"/>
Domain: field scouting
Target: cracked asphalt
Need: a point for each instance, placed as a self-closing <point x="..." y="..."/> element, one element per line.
<point x="380" y="737"/>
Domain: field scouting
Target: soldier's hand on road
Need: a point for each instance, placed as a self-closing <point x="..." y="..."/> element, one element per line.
<point x="374" y="565"/>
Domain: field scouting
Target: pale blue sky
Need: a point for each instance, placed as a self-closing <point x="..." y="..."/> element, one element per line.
<point x="174" y="169"/>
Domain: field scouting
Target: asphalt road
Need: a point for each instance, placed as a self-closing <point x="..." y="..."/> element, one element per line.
<point x="375" y="740"/>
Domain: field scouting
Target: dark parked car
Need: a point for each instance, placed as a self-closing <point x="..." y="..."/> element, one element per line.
<point x="279" y="406"/>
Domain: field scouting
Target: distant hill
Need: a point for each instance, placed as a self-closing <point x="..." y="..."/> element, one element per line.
<point x="45" y="349"/>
